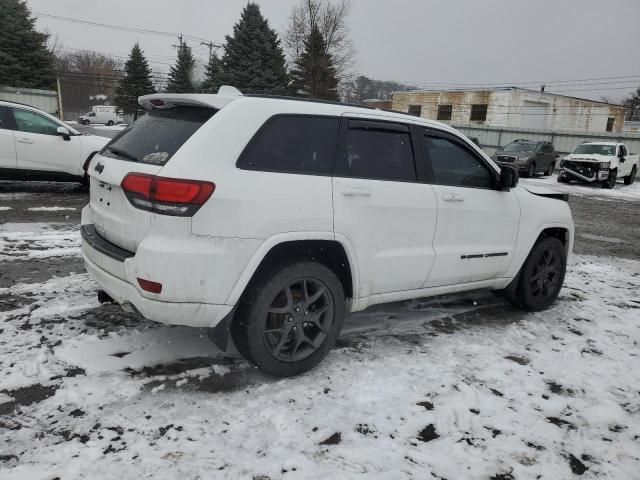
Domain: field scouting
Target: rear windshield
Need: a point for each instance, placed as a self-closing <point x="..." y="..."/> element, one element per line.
<point x="520" y="147"/>
<point x="158" y="135"/>
<point x="595" y="149"/>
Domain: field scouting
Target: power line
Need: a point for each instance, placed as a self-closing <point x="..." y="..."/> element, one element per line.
<point x="119" y="27"/>
<point x="511" y="84"/>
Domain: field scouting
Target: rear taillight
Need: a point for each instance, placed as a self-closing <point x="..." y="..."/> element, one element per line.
<point x="168" y="196"/>
<point x="149" y="286"/>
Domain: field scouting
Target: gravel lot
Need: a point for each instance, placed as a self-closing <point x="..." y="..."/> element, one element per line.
<point x="455" y="387"/>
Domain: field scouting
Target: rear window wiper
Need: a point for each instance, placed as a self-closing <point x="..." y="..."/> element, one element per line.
<point x="122" y="153"/>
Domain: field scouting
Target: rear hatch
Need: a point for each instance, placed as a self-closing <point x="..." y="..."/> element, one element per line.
<point x="144" y="148"/>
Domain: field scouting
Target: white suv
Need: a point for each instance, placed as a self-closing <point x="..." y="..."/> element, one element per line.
<point x="273" y="218"/>
<point x="37" y="146"/>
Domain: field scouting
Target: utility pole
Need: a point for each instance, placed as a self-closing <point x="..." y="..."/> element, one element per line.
<point x="211" y="46"/>
<point x="60" y="110"/>
<point x="180" y="42"/>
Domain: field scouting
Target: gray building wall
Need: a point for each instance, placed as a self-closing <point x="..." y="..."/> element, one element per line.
<point x="46" y="100"/>
<point x="516" y="108"/>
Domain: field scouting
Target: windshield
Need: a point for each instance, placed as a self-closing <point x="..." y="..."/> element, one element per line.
<point x="520" y="147"/>
<point x="158" y="135"/>
<point x="595" y="149"/>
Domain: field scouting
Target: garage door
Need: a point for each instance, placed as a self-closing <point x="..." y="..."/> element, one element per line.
<point x="533" y="115"/>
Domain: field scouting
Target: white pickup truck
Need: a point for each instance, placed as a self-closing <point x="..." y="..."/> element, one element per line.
<point x="603" y="162"/>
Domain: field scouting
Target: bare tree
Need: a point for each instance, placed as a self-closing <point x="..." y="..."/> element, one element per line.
<point x="87" y="78"/>
<point x="331" y="19"/>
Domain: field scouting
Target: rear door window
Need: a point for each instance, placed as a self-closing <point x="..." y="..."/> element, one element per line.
<point x="158" y="135"/>
<point x="301" y="144"/>
<point x="376" y="150"/>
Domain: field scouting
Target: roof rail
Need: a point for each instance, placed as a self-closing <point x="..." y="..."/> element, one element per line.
<point x="310" y="100"/>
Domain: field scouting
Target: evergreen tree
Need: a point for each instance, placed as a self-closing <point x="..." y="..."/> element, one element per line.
<point x="135" y="83"/>
<point x="314" y="74"/>
<point x="212" y="75"/>
<point x="25" y="60"/>
<point x="253" y="59"/>
<point x="181" y="74"/>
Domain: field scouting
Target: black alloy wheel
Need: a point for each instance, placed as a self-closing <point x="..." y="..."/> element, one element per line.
<point x="290" y="317"/>
<point x="298" y="320"/>
<point x="547" y="271"/>
<point x="541" y="277"/>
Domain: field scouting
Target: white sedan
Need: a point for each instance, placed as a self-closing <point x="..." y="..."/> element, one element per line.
<point x="37" y="146"/>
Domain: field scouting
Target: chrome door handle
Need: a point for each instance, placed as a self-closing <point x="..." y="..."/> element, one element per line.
<point x="452" y="197"/>
<point x="356" y="192"/>
<point x="24" y="140"/>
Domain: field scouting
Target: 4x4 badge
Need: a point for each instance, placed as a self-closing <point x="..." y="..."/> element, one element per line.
<point x="99" y="167"/>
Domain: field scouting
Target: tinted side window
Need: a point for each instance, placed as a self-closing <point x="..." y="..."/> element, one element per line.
<point x="454" y="165"/>
<point x="376" y="150"/>
<point x="31" y="122"/>
<point x="293" y="144"/>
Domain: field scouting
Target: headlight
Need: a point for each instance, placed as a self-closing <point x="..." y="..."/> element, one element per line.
<point x="522" y="159"/>
<point x="605" y="164"/>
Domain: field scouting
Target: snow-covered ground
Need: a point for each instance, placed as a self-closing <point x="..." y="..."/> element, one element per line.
<point x="461" y="387"/>
<point x="620" y="192"/>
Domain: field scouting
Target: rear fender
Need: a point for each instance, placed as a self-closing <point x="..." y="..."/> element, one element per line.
<point x="270" y="243"/>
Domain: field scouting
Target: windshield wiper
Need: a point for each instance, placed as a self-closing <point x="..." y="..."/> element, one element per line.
<point x="122" y="153"/>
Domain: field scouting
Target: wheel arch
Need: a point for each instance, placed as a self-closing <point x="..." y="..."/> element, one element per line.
<point x="323" y="248"/>
<point x="563" y="231"/>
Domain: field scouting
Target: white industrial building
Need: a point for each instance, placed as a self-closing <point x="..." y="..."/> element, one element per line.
<point x="512" y="107"/>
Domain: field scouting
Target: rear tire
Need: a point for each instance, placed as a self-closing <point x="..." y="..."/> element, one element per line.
<point x="629" y="179"/>
<point x="290" y="318"/>
<point x="540" y="279"/>
<point x="562" y="178"/>
<point x="110" y="123"/>
<point x="610" y="183"/>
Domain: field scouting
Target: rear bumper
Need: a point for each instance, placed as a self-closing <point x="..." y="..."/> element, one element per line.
<point x="171" y="313"/>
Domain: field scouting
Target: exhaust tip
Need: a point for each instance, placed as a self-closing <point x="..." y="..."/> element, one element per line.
<point x="103" y="297"/>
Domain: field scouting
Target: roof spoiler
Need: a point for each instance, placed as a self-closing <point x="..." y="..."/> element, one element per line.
<point x="226" y="94"/>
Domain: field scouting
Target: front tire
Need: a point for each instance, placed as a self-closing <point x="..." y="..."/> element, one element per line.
<point x="550" y="170"/>
<point x="290" y="318"/>
<point x="610" y="182"/>
<point x="629" y="179"/>
<point x="531" y="171"/>
<point x="541" y="277"/>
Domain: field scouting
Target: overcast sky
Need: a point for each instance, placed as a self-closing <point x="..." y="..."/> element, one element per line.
<point x="420" y="41"/>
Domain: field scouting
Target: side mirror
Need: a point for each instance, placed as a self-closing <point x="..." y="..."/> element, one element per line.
<point x="620" y="154"/>
<point x="508" y="177"/>
<point x="64" y="133"/>
<point x="557" y="155"/>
